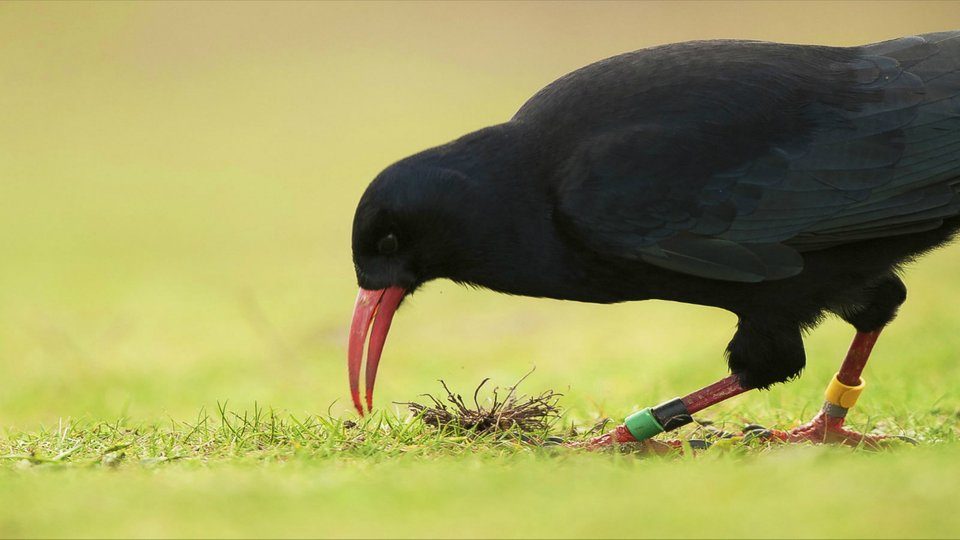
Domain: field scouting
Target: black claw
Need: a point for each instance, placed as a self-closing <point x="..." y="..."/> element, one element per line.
<point x="756" y="432"/>
<point x="719" y="433"/>
<point x="904" y="438"/>
<point x="698" y="444"/>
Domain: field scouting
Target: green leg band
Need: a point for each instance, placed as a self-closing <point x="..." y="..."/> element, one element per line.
<point x="643" y="425"/>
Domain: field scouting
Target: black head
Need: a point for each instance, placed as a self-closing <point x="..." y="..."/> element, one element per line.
<point x="410" y="226"/>
<point x="449" y="212"/>
<point x="459" y="211"/>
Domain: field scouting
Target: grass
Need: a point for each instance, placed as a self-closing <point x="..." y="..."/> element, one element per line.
<point x="266" y="436"/>
<point x="260" y="474"/>
<point x="177" y="184"/>
<point x="265" y="473"/>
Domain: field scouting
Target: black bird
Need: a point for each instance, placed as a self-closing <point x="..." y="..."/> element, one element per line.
<point x="779" y="182"/>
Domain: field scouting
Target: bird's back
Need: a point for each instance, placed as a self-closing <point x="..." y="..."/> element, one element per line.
<point x="731" y="159"/>
<point x="917" y="186"/>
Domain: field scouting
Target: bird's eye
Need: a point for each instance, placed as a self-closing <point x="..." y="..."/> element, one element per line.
<point x="388" y="244"/>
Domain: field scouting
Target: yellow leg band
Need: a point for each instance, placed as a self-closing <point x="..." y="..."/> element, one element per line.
<point x="842" y="395"/>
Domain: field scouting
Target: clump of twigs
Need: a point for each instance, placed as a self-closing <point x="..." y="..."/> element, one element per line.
<point x="513" y="412"/>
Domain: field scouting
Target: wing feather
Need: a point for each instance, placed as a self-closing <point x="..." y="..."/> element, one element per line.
<point x="867" y="146"/>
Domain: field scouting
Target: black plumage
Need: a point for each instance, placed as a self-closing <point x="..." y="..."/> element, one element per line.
<point x="779" y="182"/>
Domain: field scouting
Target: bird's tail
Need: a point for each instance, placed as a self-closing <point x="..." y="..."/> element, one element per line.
<point x="932" y="138"/>
<point x="924" y="184"/>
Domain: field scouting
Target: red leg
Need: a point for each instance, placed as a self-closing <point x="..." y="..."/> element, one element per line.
<point x="841" y="395"/>
<point x="826" y="427"/>
<point x="669" y="415"/>
<point x="857" y="357"/>
<point x="711" y="395"/>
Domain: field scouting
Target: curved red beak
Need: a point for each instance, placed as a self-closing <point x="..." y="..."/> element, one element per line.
<point x="376" y="307"/>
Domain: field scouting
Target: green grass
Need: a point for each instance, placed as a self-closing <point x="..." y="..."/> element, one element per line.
<point x="263" y="474"/>
<point x="177" y="184"/>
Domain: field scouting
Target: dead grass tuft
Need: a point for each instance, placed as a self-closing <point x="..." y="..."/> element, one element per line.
<point x="512" y="413"/>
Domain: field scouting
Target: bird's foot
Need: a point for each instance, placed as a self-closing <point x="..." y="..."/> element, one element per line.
<point x="621" y="436"/>
<point x="823" y="429"/>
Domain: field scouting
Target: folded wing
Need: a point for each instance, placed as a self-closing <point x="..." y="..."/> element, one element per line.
<point x="793" y="156"/>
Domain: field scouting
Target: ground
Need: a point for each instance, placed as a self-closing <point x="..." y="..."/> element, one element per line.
<point x="176" y="289"/>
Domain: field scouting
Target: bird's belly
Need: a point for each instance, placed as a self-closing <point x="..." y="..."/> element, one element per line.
<point x="827" y="279"/>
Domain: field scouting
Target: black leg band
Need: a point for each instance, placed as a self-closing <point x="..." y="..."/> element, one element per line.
<point x="834" y="410"/>
<point x="672" y="414"/>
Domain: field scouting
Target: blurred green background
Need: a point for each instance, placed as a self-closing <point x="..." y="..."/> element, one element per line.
<point x="177" y="184"/>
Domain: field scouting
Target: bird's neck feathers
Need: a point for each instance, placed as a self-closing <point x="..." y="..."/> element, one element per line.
<point x="497" y="229"/>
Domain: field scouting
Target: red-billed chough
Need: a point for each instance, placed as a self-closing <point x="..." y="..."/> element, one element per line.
<point x="779" y="182"/>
